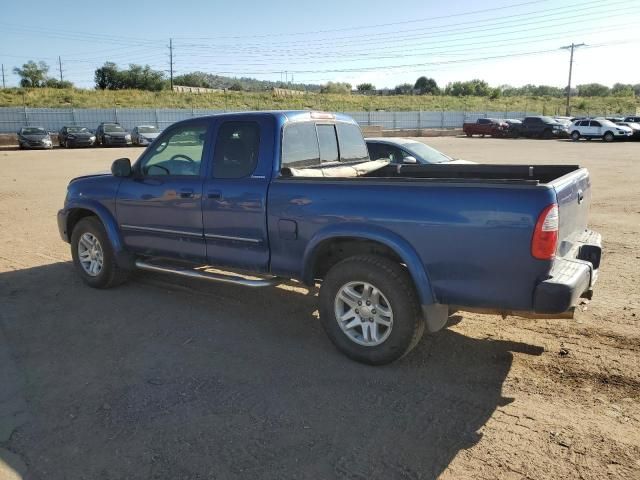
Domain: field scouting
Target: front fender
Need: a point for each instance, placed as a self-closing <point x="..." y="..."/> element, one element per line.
<point x="377" y="234"/>
<point x="108" y="221"/>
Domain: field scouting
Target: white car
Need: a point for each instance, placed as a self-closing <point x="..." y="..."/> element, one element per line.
<point x="598" y="128"/>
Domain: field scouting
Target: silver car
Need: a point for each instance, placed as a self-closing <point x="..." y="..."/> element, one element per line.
<point x="407" y="151"/>
<point x="144" y="134"/>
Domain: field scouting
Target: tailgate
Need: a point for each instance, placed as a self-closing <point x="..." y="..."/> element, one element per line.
<point x="573" y="193"/>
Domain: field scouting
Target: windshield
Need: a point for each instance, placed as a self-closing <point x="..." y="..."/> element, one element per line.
<point x="548" y="120"/>
<point x="428" y="154"/>
<point x="34" y="131"/>
<point x="77" y="130"/>
<point x="113" y="128"/>
<point x="148" y="130"/>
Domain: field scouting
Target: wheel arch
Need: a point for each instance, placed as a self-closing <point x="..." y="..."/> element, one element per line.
<point x="335" y="244"/>
<point x="79" y="210"/>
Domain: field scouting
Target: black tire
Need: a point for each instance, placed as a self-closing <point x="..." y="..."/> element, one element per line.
<point x="468" y="134"/>
<point x="608" y="137"/>
<point x="395" y="284"/>
<point x="575" y="135"/>
<point x="547" y="134"/>
<point x="111" y="274"/>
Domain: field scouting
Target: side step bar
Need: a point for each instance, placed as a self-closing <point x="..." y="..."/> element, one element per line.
<point x="215" y="277"/>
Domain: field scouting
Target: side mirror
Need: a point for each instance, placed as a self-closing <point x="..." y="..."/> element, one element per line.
<point x="121" y="167"/>
<point x="409" y="159"/>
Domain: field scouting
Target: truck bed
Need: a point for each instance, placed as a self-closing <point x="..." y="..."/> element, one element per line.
<point x="477" y="173"/>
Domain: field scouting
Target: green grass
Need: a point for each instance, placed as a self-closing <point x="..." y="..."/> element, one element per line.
<point x="76" y="98"/>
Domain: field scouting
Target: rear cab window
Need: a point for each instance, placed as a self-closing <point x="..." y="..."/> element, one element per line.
<point x="310" y="144"/>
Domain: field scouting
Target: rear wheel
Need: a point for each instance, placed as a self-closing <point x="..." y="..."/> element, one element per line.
<point x="370" y="310"/>
<point x="547" y="134"/>
<point x="575" y="136"/>
<point x="468" y="134"/>
<point x="93" y="255"/>
<point x="608" y="137"/>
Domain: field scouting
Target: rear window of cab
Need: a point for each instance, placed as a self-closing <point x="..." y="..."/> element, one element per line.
<point x="306" y="144"/>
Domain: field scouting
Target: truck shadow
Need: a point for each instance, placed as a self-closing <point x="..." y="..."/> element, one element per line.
<point x="163" y="378"/>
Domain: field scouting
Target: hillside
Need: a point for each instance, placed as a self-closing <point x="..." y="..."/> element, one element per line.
<point x="231" y="100"/>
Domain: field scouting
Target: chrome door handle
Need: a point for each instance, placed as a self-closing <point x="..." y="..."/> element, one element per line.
<point x="186" y="193"/>
<point x="214" y="194"/>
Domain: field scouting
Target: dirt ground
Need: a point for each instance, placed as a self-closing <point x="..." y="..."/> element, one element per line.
<point x="163" y="378"/>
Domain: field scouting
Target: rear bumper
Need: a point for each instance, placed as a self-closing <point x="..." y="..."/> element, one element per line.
<point x="571" y="277"/>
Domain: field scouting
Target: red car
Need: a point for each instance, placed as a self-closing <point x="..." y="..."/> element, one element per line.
<point x="486" y="126"/>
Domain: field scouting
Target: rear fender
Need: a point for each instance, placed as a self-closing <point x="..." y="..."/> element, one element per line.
<point x="386" y="237"/>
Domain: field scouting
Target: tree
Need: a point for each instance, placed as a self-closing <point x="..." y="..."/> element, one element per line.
<point x="365" y="87"/>
<point x="55" y="83"/>
<point x="426" y="85"/>
<point x="475" y="87"/>
<point x="236" y="86"/>
<point x="622" y="90"/>
<point x="32" y="74"/>
<point x="108" y="77"/>
<point x="593" y="90"/>
<point x="193" y="79"/>
<point x="404" y="89"/>
<point x="336" y="87"/>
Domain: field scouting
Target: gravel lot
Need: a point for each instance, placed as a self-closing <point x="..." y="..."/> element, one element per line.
<point x="163" y="378"/>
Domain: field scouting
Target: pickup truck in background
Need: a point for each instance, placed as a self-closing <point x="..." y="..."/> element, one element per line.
<point x="294" y="195"/>
<point x="486" y="126"/>
<point x="539" y="127"/>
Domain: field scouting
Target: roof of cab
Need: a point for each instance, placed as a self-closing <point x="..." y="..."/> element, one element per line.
<point x="286" y="116"/>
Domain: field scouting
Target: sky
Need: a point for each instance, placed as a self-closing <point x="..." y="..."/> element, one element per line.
<point x="384" y="43"/>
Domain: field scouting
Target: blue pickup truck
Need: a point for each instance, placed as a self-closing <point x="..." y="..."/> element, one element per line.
<point x="260" y="198"/>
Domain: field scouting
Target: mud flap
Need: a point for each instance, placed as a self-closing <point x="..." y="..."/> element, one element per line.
<point x="435" y="316"/>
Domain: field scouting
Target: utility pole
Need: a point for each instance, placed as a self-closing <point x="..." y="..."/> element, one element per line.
<point x="571" y="47"/>
<point x="3" y="84"/>
<point x="60" y="67"/>
<point x="171" y="63"/>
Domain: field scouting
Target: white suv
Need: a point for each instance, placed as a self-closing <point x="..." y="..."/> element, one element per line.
<point x="598" y="128"/>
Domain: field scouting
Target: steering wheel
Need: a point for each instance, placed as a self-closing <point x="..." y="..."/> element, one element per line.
<point x="180" y="156"/>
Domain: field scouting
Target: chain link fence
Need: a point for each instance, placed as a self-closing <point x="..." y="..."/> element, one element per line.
<point x="53" y="119"/>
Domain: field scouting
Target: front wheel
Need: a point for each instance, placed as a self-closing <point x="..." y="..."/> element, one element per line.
<point x="93" y="255"/>
<point x="608" y="137"/>
<point x="575" y="136"/>
<point x="370" y="310"/>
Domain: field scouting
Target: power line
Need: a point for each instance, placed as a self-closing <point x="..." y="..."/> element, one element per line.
<point x="363" y="27"/>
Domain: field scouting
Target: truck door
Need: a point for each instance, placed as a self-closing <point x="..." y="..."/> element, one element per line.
<point x="159" y="208"/>
<point x="235" y="193"/>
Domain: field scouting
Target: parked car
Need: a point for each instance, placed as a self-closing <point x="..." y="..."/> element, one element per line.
<point x="294" y="195"/>
<point x="599" y="128"/>
<point x="566" y="121"/>
<point x="635" y="128"/>
<point x="144" y="134"/>
<point x="34" y="137"/>
<point x="513" y="121"/>
<point x="406" y="151"/>
<point x="539" y="127"/>
<point x="632" y="118"/>
<point x="110" y="134"/>
<point x="485" y="126"/>
<point x="74" y="136"/>
<point x="615" y="119"/>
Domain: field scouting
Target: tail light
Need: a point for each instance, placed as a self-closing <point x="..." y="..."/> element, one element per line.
<point x="545" y="235"/>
